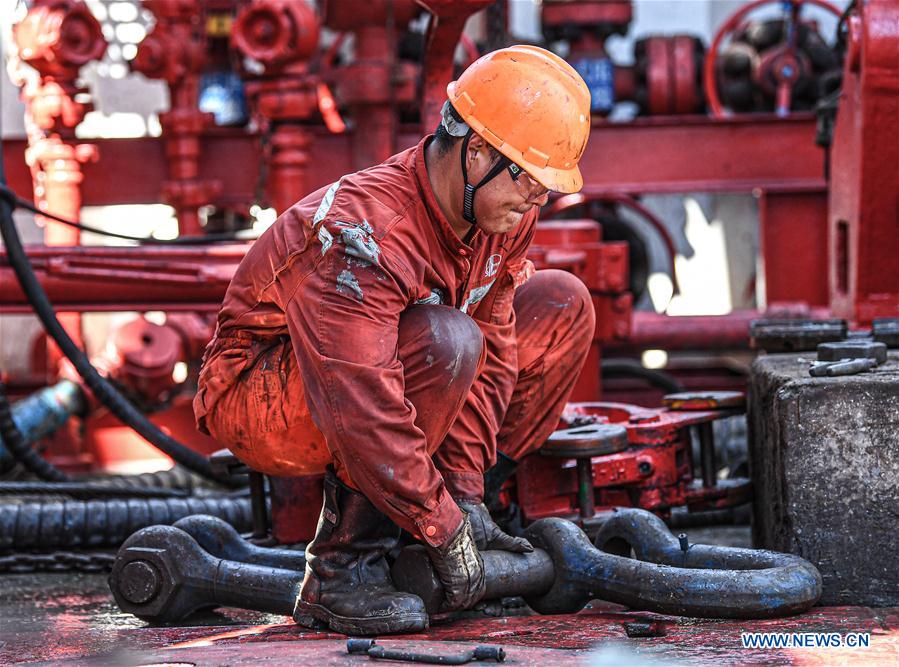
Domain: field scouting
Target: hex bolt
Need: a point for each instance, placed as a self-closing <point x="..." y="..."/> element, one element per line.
<point x="374" y="651"/>
<point x="684" y="542"/>
<point x="141" y="581"/>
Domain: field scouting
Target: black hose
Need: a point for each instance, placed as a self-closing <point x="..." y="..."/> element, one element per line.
<point x="105" y="523"/>
<point x="105" y="392"/>
<point x="21" y="450"/>
<point x="87" y="491"/>
<point x="102" y="389"/>
<point x="174" y="478"/>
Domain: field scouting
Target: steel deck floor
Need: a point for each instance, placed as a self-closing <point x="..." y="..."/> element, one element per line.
<point x="72" y="619"/>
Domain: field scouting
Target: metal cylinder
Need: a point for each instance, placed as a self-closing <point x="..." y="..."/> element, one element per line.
<point x="507" y="575"/>
<point x="585" y="499"/>
<point x="707" y="454"/>
<point x="43" y="413"/>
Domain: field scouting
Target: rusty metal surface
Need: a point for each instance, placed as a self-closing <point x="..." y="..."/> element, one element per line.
<point x="161" y="574"/>
<point x="588" y="440"/>
<point x="60" y="618"/>
<point x="825" y="471"/>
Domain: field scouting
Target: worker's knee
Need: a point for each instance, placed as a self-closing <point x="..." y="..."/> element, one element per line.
<point x="558" y="298"/>
<point x="443" y="339"/>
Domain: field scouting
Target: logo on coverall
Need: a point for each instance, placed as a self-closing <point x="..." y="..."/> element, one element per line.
<point x="492" y="265"/>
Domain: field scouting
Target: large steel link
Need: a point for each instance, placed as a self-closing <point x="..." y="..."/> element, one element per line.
<point x="105" y="523"/>
<point x="163" y="574"/>
<point x="566" y="571"/>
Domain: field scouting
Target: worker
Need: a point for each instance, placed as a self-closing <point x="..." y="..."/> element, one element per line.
<point x="389" y="330"/>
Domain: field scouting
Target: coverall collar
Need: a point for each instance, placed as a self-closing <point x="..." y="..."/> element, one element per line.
<point x="445" y="231"/>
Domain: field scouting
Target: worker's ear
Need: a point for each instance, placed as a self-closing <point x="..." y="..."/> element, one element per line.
<point x="478" y="157"/>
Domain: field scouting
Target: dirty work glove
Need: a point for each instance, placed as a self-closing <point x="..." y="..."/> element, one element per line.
<point x="459" y="567"/>
<point x="487" y="535"/>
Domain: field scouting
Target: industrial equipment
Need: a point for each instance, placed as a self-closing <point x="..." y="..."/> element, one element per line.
<point x="272" y="99"/>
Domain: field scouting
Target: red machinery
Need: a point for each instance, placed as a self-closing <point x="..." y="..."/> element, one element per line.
<point x="653" y="469"/>
<point x="823" y="246"/>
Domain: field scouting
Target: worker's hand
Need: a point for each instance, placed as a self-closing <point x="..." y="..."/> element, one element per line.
<point x="487" y="535"/>
<point x="460" y="568"/>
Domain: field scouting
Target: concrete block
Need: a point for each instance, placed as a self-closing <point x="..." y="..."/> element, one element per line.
<point x="824" y="457"/>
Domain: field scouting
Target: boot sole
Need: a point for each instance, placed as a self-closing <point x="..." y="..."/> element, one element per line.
<point x="318" y="618"/>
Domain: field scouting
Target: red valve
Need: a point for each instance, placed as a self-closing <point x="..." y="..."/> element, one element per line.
<point x="784" y="63"/>
<point x="275" y="32"/>
<point x="58" y="39"/>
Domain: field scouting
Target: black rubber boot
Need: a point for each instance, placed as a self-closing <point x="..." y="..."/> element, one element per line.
<point x="347" y="586"/>
<point x="495" y="477"/>
<point x="508" y="518"/>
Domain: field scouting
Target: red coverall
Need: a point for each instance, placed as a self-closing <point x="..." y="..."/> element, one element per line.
<point x="334" y="278"/>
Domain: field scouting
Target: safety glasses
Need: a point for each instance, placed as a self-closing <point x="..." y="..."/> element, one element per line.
<point x="526" y="184"/>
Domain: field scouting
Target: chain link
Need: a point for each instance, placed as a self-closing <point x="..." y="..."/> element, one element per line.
<point x="57" y="561"/>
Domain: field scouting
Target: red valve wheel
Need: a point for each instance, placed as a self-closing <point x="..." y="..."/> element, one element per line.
<point x="786" y="65"/>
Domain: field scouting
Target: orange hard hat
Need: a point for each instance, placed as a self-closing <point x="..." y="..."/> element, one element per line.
<point x="531" y="106"/>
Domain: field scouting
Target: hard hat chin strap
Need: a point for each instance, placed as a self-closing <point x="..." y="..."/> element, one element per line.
<point x="468" y="194"/>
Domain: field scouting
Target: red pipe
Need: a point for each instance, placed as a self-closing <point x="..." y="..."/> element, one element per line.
<point x="689" y="332"/>
<point x="90" y="278"/>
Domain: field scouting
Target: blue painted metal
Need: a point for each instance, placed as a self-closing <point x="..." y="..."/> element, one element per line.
<point x="43" y="413"/>
<point x="222" y="95"/>
<point x="599" y="75"/>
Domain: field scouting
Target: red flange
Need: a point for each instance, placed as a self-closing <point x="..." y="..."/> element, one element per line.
<point x="57" y="39"/>
<point x="276" y="31"/>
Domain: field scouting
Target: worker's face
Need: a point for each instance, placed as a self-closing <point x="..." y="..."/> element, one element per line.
<point x="500" y="204"/>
